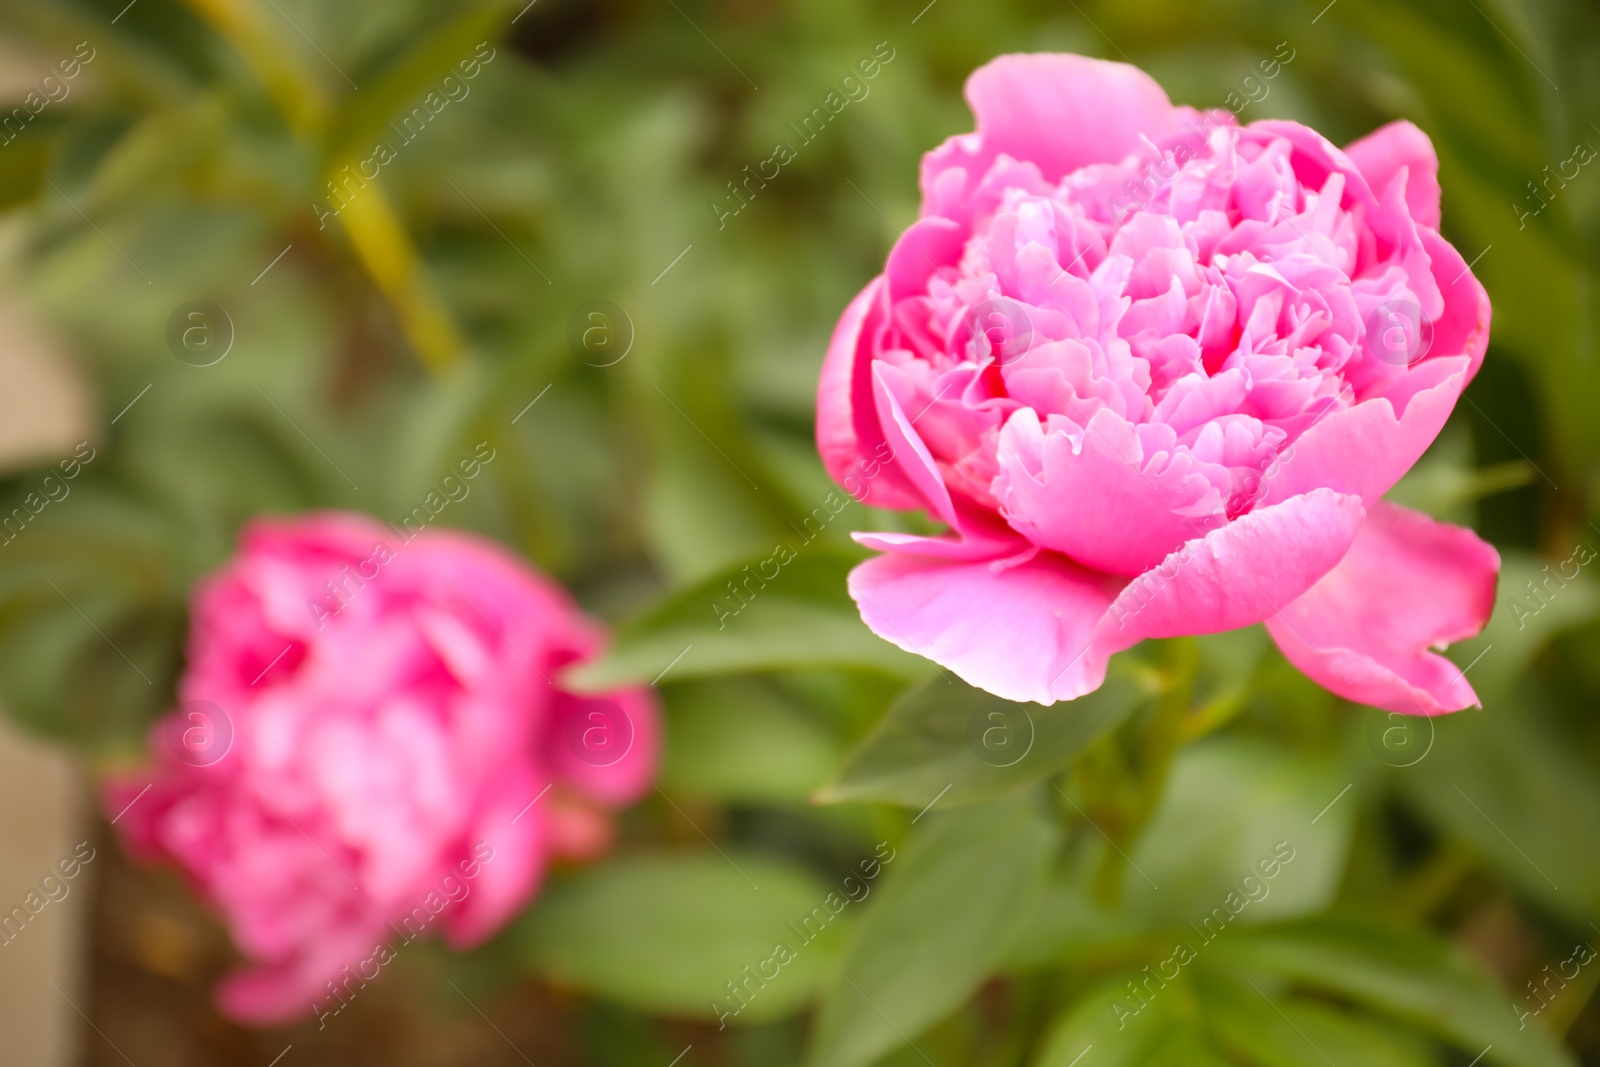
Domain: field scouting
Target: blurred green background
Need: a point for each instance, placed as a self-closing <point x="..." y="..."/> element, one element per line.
<point x="1441" y="872"/>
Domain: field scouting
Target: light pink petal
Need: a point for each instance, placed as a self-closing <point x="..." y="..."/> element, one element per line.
<point x="1380" y="155"/>
<point x="966" y="545"/>
<point x="1366" y="449"/>
<point x="1099" y="499"/>
<point x="1055" y="112"/>
<point x="926" y="246"/>
<point x="1238" y="574"/>
<point x="848" y="435"/>
<point x="1020" y="632"/>
<point x="1363" y="631"/>
<point x="279" y="992"/>
<point x="1063" y="112"/>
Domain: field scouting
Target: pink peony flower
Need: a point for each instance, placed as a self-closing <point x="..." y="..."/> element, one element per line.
<point x="1155" y="371"/>
<point x="367" y="731"/>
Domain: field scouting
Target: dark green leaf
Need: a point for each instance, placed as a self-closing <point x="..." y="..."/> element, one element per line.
<point x="801" y="617"/>
<point x="1399" y="972"/>
<point x="675" y="934"/>
<point x="940" y="924"/>
<point x="945" y="738"/>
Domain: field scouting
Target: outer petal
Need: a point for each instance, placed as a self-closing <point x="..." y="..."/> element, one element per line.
<point x="1380" y="155"/>
<point x="1058" y="112"/>
<point x="606" y="747"/>
<point x="1364" y="630"/>
<point x="517" y="848"/>
<point x="852" y="445"/>
<point x="1365" y="449"/>
<point x="1021" y="632"/>
<point x="1238" y="574"/>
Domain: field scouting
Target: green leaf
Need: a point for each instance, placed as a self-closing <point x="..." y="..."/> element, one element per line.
<point x="736" y="739"/>
<point x="1206" y="1015"/>
<point x="945" y="738"/>
<point x="1406" y="974"/>
<point x="670" y="933"/>
<point x="1278" y="1030"/>
<point x="1493" y="778"/>
<point x="1229" y="803"/>
<point x="1155" y="1036"/>
<point x="406" y="79"/>
<point x="800" y="617"/>
<point x="941" y="923"/>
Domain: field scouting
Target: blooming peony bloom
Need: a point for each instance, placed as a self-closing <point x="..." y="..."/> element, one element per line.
<point x="1155" y="371"/>
<point x="368" y="729"/>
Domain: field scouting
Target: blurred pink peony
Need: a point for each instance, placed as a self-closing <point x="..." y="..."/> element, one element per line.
<point x="1155" y="371"/>
<point x="367" y="731"/>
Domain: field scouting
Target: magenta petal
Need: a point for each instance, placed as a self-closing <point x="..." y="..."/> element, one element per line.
<point x="1062" y="112"/>
<point x="1463" y="329"/>
<point x="1238" y="574"/>
<point x="1053" y="113"/>
<point x="848" y="437"/>
<point x="1020" y="632"/>
<point x="926" y="246"/>
<point x="1364" y="630"/>
<point x="1366" y="449"/>
<point x="1100" y="499"/>
<point x="972" y="541"/>
<point x="605" y="747"/>
<point x="1380" y="155"/>
<point x="910" y="454"/>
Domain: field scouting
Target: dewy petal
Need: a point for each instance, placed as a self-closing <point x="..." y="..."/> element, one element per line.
<point x="1363" y="631"/>
<point x="1020" y="632"/>
<point x="1380" y="155"/>
<point x="1238" y="574"/>
<point x="848" y="437"/>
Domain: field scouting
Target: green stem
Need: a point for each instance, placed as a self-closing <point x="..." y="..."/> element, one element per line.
<point x="1163" y="734"/>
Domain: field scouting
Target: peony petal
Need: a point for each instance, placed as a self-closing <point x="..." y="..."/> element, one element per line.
<point x="1097" y="499"/>
<point x="1062" y="112"/>
<point x="1054" y="113"/>
<point x="910" y="456"/>
<point x="1020" y="632"/>
<point x="1238" y="574"/>
<point x="517" y="848"/>
<point x="1366" y="449"/>
<point x="1463" y="329"/>
<point x="605" y="747"/>
<point x="1363" y="631"/>
<point x="1382" y="153"/>
<point x="848" y="437"/>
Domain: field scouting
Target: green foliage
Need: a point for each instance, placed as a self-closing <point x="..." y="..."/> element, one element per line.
<point x="944" y="739"/>
<point x="676" y="934"/>
<point x="944" y="919"/>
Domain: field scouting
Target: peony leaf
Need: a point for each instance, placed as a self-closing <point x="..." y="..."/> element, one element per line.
<point x="800" y="617"/>
<point x="1399" y="972"/>
<point x="668" y="933"/>
<point x="1229" y="803"/>
<point x="942" y="921"/>
<point x="946" y="739"/>
<point x="738" y="739"/>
